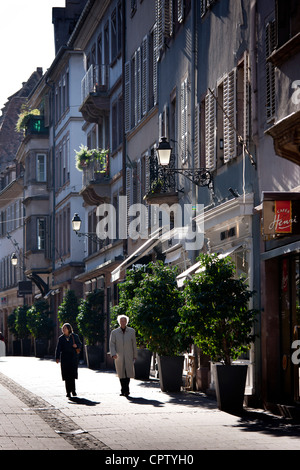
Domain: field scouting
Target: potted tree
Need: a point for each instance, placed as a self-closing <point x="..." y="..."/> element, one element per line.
<point x="40" y="326"/>
<point x="90" y="321"/>
<point x="68" y="310"/>
<point x="11" y="323"/>
<point x="217" y="316"/>
<point x="126" y="294"/>
<point x="155" y="312"/>
<point x="22" y="329"/>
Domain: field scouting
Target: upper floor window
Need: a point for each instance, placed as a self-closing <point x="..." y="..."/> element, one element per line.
<point x="41" y="167"/>
<point x="288" y="20"/>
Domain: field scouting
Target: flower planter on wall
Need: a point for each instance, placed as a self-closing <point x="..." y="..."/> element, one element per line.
<point x="170" y="373"/>
<point x="230" y="384"/>
<point x="142" y="364"/>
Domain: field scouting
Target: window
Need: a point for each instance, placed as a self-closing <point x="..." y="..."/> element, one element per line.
<point x="41" y="173"/>
<point x="222" y="124"/>
<point x="140" y="82"/>
<point x="41" y="232"/>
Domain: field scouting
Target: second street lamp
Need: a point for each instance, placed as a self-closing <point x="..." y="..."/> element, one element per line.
<point x="198" y="176"/>
<point x="76" y="224"/>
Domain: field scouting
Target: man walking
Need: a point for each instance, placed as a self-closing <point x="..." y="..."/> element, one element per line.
<point x="123" y="350"/>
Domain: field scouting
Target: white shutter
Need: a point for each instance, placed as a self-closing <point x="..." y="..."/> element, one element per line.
<point x="167" y="14"/>
<point x="229" y="119"/>
<point x="137" y="86"/>
<point x="145" y="75"/>
<point x="270" y="40"/>
<point x="210" y="132"/>
<point x="127" y="97"/>
<point x="196" y="138"/>
<point x="159" y="24"/>
<point x="155" y="58"/>
<point x="129" y="192"/>
<point x="184" y="120"/>
<point x="246" y="123"/>
<point x="180" y="11"/>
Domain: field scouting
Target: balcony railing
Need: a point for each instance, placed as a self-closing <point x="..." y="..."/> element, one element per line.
<point x="96" y="80"/>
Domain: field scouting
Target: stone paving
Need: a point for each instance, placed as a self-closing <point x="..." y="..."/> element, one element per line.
<point x="35" y="414"/>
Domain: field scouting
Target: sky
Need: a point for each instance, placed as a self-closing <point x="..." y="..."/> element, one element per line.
<point x="26" y="41"/>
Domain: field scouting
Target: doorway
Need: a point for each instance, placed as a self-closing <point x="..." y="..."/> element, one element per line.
<point x="290" y="327"/>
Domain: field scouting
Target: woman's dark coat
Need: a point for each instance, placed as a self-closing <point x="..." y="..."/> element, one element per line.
<point x="68" y="356"/>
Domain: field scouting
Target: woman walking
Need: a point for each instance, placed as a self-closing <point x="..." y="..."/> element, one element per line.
<point x="66" y="354"/>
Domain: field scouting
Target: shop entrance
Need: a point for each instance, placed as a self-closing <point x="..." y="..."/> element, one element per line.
<point x="290" y="328"/>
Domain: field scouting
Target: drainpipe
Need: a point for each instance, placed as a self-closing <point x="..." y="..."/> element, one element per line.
<point x="52" y="87"/>
<point x="125" y="247"/>
<point x="193" y="96"/>
<point x="253" y="69"/>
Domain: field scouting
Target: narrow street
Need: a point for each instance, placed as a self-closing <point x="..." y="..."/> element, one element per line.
<point x="36" y="415"/>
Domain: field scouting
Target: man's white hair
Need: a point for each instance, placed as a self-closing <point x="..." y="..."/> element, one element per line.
<point x="122" y="316"/>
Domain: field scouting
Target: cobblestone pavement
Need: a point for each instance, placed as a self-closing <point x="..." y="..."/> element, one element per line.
<point x="35" y="414"/>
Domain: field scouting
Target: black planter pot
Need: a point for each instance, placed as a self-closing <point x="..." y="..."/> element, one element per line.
<point x="26" y="347"/>
<point x="142" y="364"/>
<point x="170" y="373"/>
<point x="94" y="356"/>
<point x="41" y="347"/>
<point x="230" y="384"/>
<point x="16" y="347"/>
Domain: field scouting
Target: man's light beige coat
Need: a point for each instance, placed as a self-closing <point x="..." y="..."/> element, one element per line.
<point x="124" y="346"/>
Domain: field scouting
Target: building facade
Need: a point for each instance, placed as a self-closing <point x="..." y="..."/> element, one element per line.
<point x="218" y="80"/>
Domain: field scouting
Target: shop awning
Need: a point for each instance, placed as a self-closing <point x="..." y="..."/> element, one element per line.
<point x="197" y="269"/>
<point x="139" y="253"/>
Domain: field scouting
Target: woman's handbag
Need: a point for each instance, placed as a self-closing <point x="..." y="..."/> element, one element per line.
<point x="77" y="349"/>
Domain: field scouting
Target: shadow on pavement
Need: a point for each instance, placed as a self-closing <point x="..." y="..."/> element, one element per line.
<point x="252" y="421"/>
<point x="145" y="401"/>
<point x="84" y="401"/>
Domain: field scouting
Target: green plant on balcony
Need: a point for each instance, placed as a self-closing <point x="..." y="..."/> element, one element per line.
<point x="24" y="117"/>
<point x="85" y="156"/>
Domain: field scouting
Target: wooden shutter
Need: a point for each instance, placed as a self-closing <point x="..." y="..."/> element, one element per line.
<point x="137" y="86"/>
<point x="270" y="40"/>
<point x="229" y="123"/>
<point x="145" y="74"/>
<point x="184" y="120"/>
<point x="246" y="130"/>
<point x="210" y="132"/>
<point x="197" y="138"/>
<point x="127" y="97"/>
<point x="155" y="58"/>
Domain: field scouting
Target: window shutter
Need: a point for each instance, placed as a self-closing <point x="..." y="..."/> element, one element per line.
<point x="167" y="18"/>
<point x="127" y="97"/>
<point x="128" y="192"/>
<point x="184" y="120"/>
<point x="159" y="24"/>
<point x="246" y="100"/>
<point x="145" y="75"/>
<point x="270" y="39"/>
<point x="196" y="138"/>
<point x="155" y="58"/>
<point x="210" y="132"/>
<point x="229" y="119"/>
<point x="180" y="11"/>
<point x="137" y="87"/>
